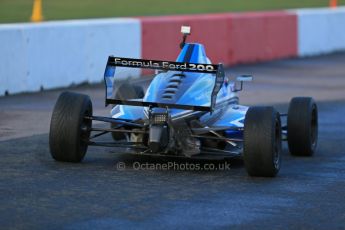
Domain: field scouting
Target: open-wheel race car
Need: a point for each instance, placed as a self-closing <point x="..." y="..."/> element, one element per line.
<point x="190" y="109"/>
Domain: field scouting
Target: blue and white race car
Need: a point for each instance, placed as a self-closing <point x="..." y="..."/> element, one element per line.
<point x="190" y="109"/>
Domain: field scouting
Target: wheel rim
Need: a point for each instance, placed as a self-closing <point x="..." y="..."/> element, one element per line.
<point x="277" y="145"/>
<point x="314" y="127"/>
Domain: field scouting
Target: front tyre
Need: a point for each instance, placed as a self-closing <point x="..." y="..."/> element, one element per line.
<point x="262" y="142"/>
<point x="69" y="130"/>
<point x="302" y="126"/>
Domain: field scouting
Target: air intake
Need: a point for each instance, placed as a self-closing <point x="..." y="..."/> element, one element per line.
<point x="172" y="87"/>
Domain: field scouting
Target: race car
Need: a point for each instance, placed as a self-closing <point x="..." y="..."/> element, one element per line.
<point x="190" y="109"/>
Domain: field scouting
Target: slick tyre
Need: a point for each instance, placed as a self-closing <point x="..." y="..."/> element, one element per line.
<point x="69" y="130"/>
<point x="302" y="126"/>
<point x="126" y="92"/>
<point x="262" y="142"/>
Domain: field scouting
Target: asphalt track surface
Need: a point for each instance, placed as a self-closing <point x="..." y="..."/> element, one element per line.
<point x="38" y="193"/>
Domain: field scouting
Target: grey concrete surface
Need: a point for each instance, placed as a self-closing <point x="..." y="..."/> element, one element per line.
<point x="39" y="193"/>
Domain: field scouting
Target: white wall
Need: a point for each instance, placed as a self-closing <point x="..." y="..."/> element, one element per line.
<point x="57" y="54"/>
<point x="320" y="31"/>
<point x="13" y="63"/>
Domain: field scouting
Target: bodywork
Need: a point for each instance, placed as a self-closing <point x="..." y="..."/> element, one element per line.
<point x="201" y="106"/>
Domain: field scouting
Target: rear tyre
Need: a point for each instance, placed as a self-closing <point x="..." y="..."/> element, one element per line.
<point x="126" y="92"/>
<point x="69" y="130"/>
<point x="302" y="126"/>
<point x="262" y="142"/>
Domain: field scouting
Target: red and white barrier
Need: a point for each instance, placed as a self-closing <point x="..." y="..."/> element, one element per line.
<point x="58" y="54"/>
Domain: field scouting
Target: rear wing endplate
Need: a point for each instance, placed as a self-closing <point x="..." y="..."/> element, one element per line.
<point x="113" y="62"/>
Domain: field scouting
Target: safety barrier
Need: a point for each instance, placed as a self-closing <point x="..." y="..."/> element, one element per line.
<point x="57" y="54"/>
<point x="228" y="38"/>
<point x="320" y="31"/>
<point x="256" y="37"/>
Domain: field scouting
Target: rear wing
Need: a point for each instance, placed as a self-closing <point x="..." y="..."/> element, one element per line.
<point x="113" y="62"/>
